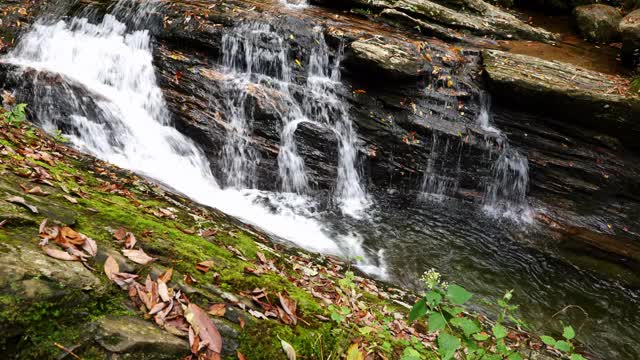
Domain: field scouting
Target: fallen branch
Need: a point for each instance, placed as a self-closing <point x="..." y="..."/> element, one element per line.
<point x="69" y="352"/>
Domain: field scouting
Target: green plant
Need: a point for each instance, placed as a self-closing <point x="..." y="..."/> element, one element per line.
<point x="634" y="86"/>
<point x="565" y="344"/>
<point x="459" y="332"/>
<point x="15" y="116"/>
<point x="57" y="135"/>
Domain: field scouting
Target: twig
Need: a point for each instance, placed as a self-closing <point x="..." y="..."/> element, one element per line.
<point x="66" y="350"/>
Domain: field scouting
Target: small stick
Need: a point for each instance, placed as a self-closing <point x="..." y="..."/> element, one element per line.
<point x="66" y="350"/>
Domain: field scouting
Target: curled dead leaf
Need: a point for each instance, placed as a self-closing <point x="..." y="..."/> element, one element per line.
<point x="111" y="267"/>
<point x="204" y="327"/>
<point x="217" y="309"/>
<point x="138" y="256"/>
<point x="59" y="254"/>
<point x="288" y="349"/>
<point x="18" y="200"/>
<point x="166" y="276"/>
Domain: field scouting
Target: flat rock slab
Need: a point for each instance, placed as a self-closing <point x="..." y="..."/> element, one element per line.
<point x="130" y="335"/>
<point x="566" y="92"/>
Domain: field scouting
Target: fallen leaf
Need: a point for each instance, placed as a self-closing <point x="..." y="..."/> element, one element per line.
<point x="204" y="327"/>
<point x="209" y="232"/>
<point x="166" y="276"/>
<point x="120" y="234"/>
<point x="163" y="291"/>
<point x="189" y="279"/>
<point x="59" y="254"/>
<point x="67" y="235"/>
<point x="90" y="246"/>
<point x="288" y="349"/>
<point x="111" y="267"/>
<point x="205" y="266"/>
<point x="241" y="322"/>
<point x="129" y="241"/>
<point x="354" y="353"/>
<point x="70" y="199"/>
<point x="137" y="256"/>
<point x="37" y="191"/>
<point x="289" y="305"/>
<point x="2" y="223"/>
<point x="217" y="309"/>
<point x="20" y="201"/>
<point x="240" y="355"/>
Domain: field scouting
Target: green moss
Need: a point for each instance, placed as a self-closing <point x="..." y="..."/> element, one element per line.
<point x="261" y="340"/>
<point x="30" y="328"/>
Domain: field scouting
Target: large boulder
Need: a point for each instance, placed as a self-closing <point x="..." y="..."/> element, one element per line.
<point x="597" y="22"/>
<point x="630" y="30"/>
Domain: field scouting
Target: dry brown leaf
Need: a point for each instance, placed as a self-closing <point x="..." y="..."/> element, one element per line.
<point x="59" y="254"/>
<point x="67" y="235"/>
<point x="21" y="201"/>
<point x="129" y="241"/>
<point x="37" y="191"/>
<point x="90" y="246"/>
<point x="189" y="279"/>
<point x="240" y="355"/>
<point x="204" y="327"/>
<point x="205" y="266"/>
<point x="138" y="256"/>
<point x="157" y="308"/>
<point x="166" y="276"/>
<point x="209" y="232"/>
<point x="241" y="322"/>
<point x="289" y="305"/>
<point x="111" y="267"/>
<point x="288" y="349"/>
<point x="120" y="234"/>
<point x="70" y="199"/>
<point x="163" y="291"/>
<point x="217" y="309"/>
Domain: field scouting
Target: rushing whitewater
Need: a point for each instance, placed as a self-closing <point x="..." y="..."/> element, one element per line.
<point x="132" y="127"/>
<point x="255" y="59"/>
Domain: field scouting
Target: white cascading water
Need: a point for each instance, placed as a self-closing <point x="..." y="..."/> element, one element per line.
<point x="323" y="105"/>
<point x="506" y="191"/>
<point x="116" y="68"/>
<point x="256" y="56"/>
<point x="295" y="4"/>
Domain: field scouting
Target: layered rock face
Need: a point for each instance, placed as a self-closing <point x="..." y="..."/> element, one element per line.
<point x="413" y="85"/>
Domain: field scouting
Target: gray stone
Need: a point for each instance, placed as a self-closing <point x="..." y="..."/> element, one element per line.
<point x="20" y="264"/>
<point x="598" y="23"/>
<point x="130" y="335"/>
<point x="392" y="59"/>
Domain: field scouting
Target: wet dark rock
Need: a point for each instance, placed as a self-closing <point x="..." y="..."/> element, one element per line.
<point x="598" y="23"/>
<point x="630" y="30"/>
<point x="579" y="96"/>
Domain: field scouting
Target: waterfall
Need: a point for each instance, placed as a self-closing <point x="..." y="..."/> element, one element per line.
<point x="323" y="105"/>
<point x="436" y="184"/>
<point x="256" y="55"/>
<point x="506" y="190"/>
<point x="131" y="126"/>
<point x="296" y="4"/>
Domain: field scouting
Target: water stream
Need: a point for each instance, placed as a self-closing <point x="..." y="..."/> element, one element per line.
<point x="398" y="239"/>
